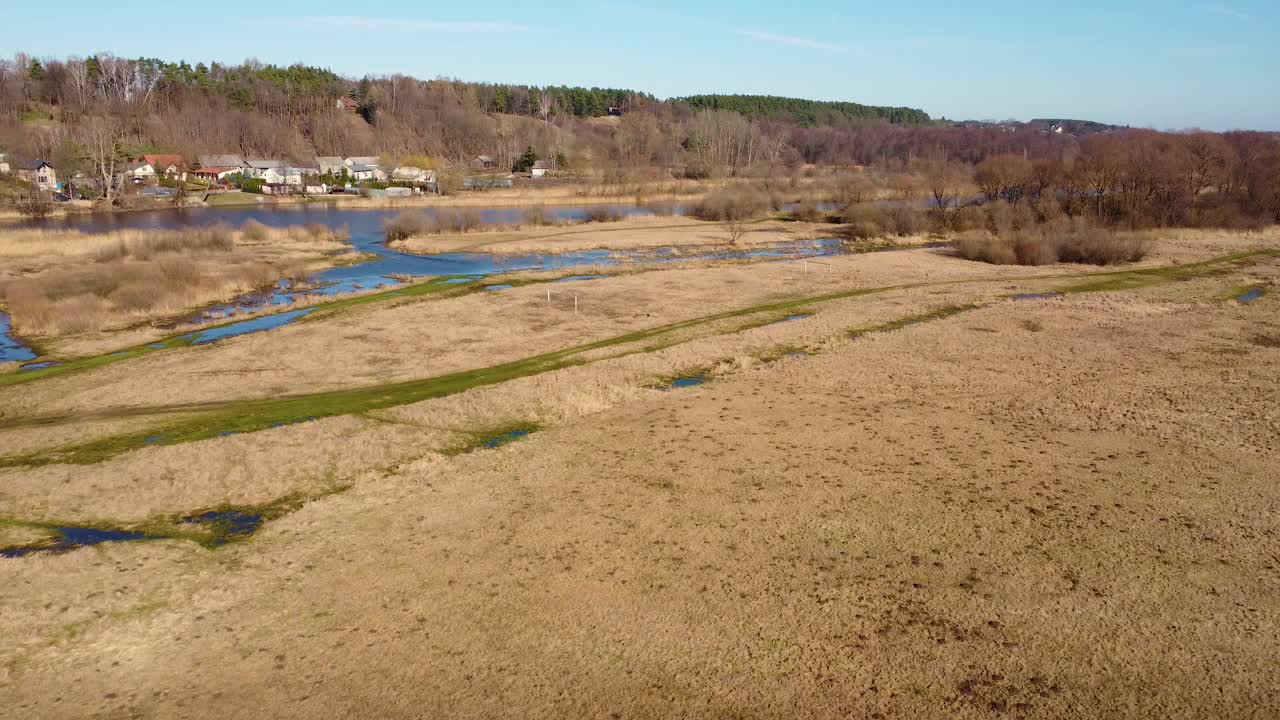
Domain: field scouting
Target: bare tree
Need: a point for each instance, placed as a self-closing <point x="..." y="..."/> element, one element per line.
<point x="736" y="229"/>
<point x="101" y="136"/>
<point x="545" y="102"/>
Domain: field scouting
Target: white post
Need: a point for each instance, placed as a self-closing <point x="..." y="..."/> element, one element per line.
<point x="575" y="303"/>
<point x="548" y="298"/>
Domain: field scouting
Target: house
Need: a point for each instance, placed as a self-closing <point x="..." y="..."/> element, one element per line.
<point x="419" y="178"/>
<point x="614" y="112"/>
<point x="4" y="163"/>
<point x="541" y="168"/>
<point x="215" y="173"/>
<point x="370" y="160"/>
<point x="329" y="165"/>
<point x="282" y="175"/>
<point x="255" y="167"/>
<point x="171" y="165"/>
<point x="140" y="170"/>
<point x="484" y="162"/>
<point x="346" y="103"/>
<point x="211" y="161"/>
<point x="360" y="172"/>
<point x="41" y="173"/>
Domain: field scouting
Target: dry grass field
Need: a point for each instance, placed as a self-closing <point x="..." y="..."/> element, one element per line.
<point x="900" y="490"/>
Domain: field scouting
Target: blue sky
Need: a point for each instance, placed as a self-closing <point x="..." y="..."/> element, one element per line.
<point x="1167" y="65"/>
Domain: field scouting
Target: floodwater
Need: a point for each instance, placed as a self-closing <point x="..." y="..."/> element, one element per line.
<point x="12" y="349"/>
<point x="227" y="525"/>
<point x="265" y="322"/>
<point x="386" y="266"/>
<point x="686" y="381"/>
<point x="70" y="538"/>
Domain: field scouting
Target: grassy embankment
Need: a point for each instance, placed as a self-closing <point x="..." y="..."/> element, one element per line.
<point x="251" y="415"/>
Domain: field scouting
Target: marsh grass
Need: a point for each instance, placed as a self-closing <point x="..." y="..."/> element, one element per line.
<point x="143" y="276"/>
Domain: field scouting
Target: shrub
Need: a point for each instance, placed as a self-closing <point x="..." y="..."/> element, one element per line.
<point x="863" y="222"/>
<point x="254" y="231"/>
<point x="602" y="213"/>
<point x="660" y="207"/>
<point x="1045" y="245"/>
<point x="807" y="211"/>
<point x="729" y="203"/>
<point x="406" y="225"/>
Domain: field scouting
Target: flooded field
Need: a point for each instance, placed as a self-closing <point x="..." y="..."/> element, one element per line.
<point x="896" y="483"/>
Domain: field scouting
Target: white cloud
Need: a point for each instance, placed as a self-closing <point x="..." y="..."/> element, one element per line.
<point x="380" y="24"/>
<point x="787" y="40"/>
<point x="1229" y="12"/>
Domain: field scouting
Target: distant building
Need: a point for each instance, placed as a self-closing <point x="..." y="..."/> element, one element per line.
<point x="209" y="161"/>
<point x="346" y="103"/>
<point x="4" y="163"/>
<point x="216" y="174"/>
<point x="171" y="165"/>
<point x="541" y="168"/>
<point x="484" y="162"/>
<point x="41" y="173"/>
<point x="255" y="167"/>
<point x="418" y="177"/>
<point x="282" y="175"/>
<point x="614" y="112"/>
<point x="328" y="164"/>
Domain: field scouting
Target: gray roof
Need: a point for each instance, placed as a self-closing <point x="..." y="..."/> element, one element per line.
<point x="542" y="165"/>
<point x="327" y="163"/>
<point x="262" y="164"/>
<point x="357" y="167"/>
<point x="220" y="160"/>
<point x="370" y="160"/>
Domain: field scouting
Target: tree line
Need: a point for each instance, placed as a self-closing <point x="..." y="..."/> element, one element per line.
<point x="86" y="114"/>
<point x="804" y="112"/>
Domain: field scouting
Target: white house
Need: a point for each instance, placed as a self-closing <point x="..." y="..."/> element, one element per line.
<point x="255" y="167"/>
<point x="140" y="170"/>
<point x="541" y="168"/>
<point x="283" y="175"/>
<point x="420" y="178"/>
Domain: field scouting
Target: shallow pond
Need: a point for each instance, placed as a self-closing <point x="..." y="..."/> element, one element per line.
<point x="1249" y="295"/>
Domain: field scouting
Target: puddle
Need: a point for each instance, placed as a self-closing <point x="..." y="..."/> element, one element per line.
<point x="157" y="346"/>
<point x="282" y="423"/>
<point x="503" y="438"/>
<point x="1036" y="296"/>
<point x="153" y="439"/>
<point x="12" y="349"/>
<point x="244" y="327"/>
<point x="70" y="538"/>
<point x="576" y="278"/>
<point x="456" y="281"/>
<point x="40" y="365"/>
<point x="1250" y="295"/>
<point x="789" y="318"/>
<point x="227" y="525"/>
<point x="683" y="381"/>
<point x="499" y="286"/>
